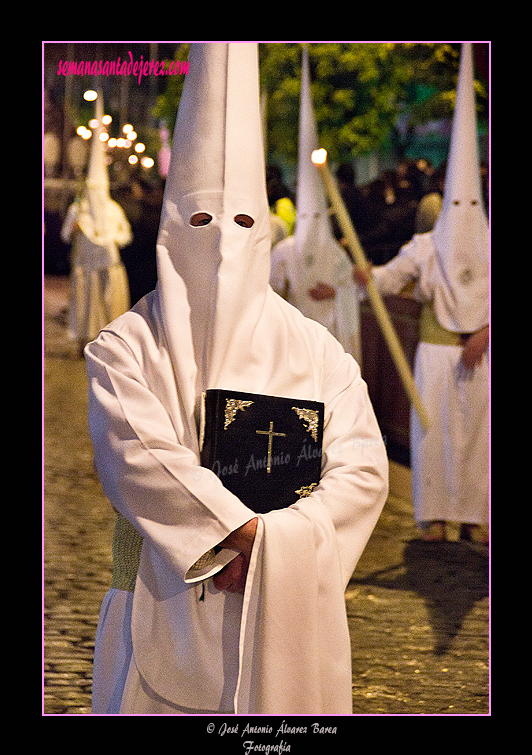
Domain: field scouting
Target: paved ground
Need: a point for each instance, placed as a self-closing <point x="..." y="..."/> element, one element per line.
<point x="418" y="613"/>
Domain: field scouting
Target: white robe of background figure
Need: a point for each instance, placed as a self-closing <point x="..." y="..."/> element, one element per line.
<point x="450" y="264"/>
<point x="97" y="228"/>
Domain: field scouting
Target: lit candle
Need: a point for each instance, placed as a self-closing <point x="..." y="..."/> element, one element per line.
<point x="319" y="158"/>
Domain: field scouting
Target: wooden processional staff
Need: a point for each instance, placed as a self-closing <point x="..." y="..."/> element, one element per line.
<point x="319" y="158"/>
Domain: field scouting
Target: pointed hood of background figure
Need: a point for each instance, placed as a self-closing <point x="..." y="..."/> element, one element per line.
<point x="314" y="262"/>
<point x="461" y="234"/>
<point x="97" y="190"/>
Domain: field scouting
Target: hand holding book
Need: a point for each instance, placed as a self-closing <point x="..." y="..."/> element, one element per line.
<point x="267" y="451"/>
<point x="233" y="577"/>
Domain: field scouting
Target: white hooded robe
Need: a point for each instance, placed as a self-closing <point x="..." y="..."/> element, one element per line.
<point x="97" y="227"/>
<point x="176" y="644"/>
<point x="450" y="264"/>
<point x="312" y="255"/>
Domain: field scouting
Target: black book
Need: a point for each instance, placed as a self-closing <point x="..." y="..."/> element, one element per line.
<point x="265" y="449"/>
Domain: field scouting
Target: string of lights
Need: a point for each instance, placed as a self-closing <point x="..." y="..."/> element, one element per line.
<point x="126" y="141"/>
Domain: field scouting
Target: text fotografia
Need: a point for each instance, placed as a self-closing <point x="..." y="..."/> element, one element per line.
<point x="123" y="67"/>
<point x="280" y="735"/>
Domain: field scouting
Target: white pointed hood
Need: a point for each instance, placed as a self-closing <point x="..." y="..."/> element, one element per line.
<point x="320" y="253"/>
<point x="311" y="203"/>
<point x="101" y="219"/>
<point x="213" y="278"/>
<point x="312" y="255"/>
<point x="461" y="235"/>
<point x="97" y="198"/>
<point x="97" y="175"/>
<point x="319" y="257"/>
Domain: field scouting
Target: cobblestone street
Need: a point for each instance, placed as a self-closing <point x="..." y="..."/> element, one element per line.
<point x="418" y="613"/>
<point x="419" y="619"/>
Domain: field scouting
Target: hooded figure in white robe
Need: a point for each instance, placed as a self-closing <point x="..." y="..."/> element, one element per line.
<point x="310" y="269"/>
<point x="450" y="264"/>
<point x="168" y="640"/>
<point x="97" y="227"/>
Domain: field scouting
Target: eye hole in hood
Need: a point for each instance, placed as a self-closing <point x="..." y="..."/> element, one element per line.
<point x="200" y="218"/>
<point x="204" y="218"/>
<point x="246" y="221"/>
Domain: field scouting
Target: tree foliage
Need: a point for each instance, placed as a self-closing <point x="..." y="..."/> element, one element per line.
<point x="364" y="93"/>
<point x="360" y="92"/>
<point x="167" y="103"/>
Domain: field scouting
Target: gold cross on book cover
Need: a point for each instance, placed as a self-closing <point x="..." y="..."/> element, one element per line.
<point x="265" y="449"/>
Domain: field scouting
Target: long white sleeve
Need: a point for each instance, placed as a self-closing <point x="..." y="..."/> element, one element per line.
<point x="155" y="482"/>
<point x="405" y="267"/>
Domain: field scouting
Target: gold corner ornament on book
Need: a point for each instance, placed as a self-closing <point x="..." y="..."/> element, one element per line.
<point x="265" y="449"/>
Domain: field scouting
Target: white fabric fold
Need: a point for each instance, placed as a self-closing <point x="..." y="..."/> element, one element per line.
<point x="294" y="644"/>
